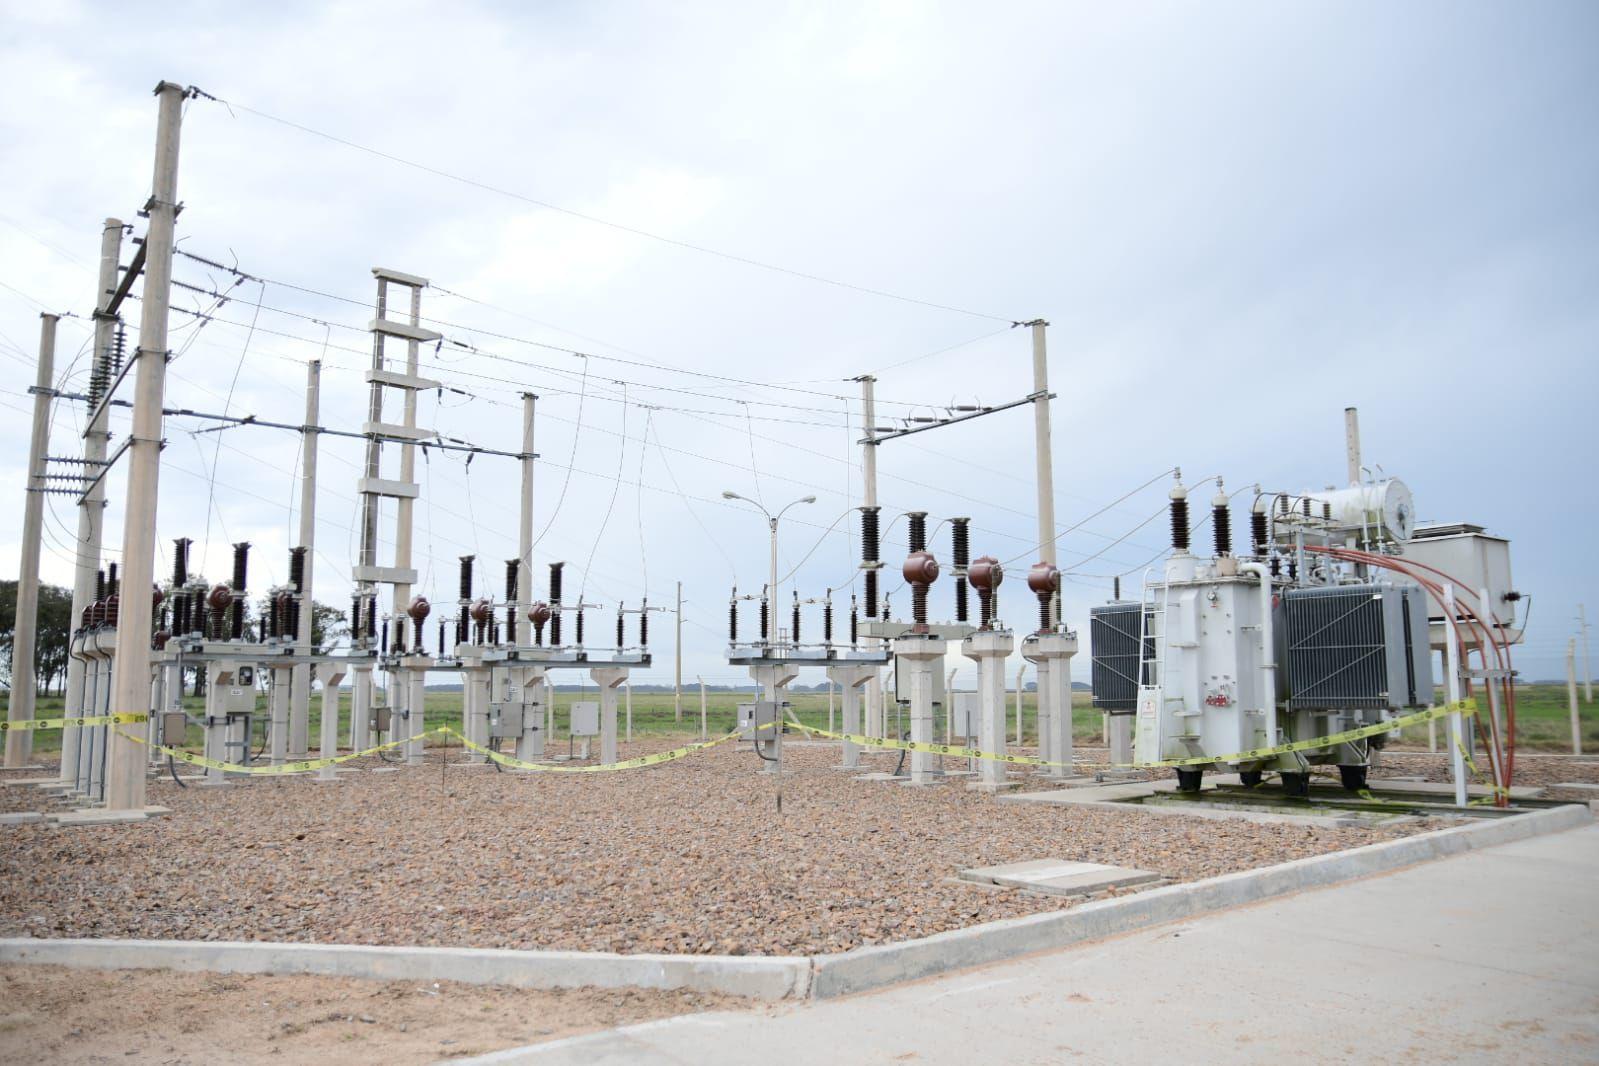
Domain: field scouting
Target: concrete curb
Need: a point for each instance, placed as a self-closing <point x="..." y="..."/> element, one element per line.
<point x="794" y="977"/>
<point x="763" y="977"/>
<point x="874" y="967"/>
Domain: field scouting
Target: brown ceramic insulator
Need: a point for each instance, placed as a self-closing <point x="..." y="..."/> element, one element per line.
<point x="113" y="605"/>
<point x="157" y="597"/>
<point x="220" y="598"/>
<point x="481" y="610"/>
<point x="985" y="574"/>
<point x="160" y="638"/>
<point x="920" y="568"/>
<point x="539" y="614"/>
<point x="419" y="609"/>
<point x="1044" y="580"/>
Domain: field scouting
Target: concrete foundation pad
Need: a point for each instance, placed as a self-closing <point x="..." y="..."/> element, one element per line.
<point x="95" y="816"/>
<point x="21" y="818"/>
<point x="1581" y="786"/>
<point x="992" y="786"/>
<point x="879" y="777"/>
<point x="19" y="782"/>
<point x="981" y="886"/>
<point x="929" y="783"/>
<point x="1059" y="877"/>
<point x="1440" y="788"/>
<point x="23" y="768"/>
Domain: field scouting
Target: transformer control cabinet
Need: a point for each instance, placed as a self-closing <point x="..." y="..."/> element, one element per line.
<point x="238" y="696"/>
<point x="174" y="728"/>
<point x="505" y="721"/>
<point x="759" y="720"/>
<point x="965" y="714"/>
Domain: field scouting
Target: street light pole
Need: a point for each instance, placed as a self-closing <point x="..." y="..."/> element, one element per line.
<point x="771" y="588"/>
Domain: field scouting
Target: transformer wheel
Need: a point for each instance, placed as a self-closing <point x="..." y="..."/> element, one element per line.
<point x="1250" y="778"/>
<point x="1353" y="777"/>
<point x="1188" y="780"/>
<point x="1297" y="785"/>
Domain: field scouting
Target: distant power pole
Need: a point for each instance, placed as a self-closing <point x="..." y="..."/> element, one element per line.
<point x="1571" y="696"/>
<point x="1587" y="666"/>
<point x="24" y="685"/>
<point x="677" y="677"/>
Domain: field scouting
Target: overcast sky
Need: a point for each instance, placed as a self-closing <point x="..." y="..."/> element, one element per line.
<point x="1238" y="218"/>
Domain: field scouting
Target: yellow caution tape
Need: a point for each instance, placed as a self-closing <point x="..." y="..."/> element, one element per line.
<point x="1495" y="790"/>
<point x="307" y="765"/>
<point x="1345" y="737"/>
<point x="63" y="723"/>
<point x="300" y="767"/>
<point x="653" y="759"/>
<point x="913" y="745"/>
<point x="1348" y="735"/>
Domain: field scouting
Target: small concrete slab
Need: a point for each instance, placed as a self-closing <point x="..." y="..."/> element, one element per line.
<point x="41" y="782"/>
<point x="992" y="786"/>
<point x="1059" y="877"/>
<point x="95" y="816"/>
<point x="1443" y="788"/>
<point x="1580" y="786"/>
<point x="879" y="777"/>
<point x="21" y="818"/>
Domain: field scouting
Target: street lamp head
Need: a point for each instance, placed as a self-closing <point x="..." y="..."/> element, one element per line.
<point x="730" y="495"/>
<point x="808" y="499"/>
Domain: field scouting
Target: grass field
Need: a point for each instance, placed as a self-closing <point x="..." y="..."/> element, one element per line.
<point x="1542" y="718"/>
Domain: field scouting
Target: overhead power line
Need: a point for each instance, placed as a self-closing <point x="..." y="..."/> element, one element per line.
<point x="596" y="220"/>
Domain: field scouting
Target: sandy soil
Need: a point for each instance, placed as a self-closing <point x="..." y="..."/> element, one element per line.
<point x="692" y="856"/>
<point x="49" y="1014"/>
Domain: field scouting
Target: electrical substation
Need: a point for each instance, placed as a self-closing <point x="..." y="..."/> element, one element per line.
<point x="1273" y="669"/>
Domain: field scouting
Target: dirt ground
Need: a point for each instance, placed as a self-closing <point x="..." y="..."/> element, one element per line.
<point x="50" y="1014"/>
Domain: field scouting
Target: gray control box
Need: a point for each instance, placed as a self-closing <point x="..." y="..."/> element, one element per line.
<point x="758" y="721"/>
<point x="585" y="720"/>
<point x="505" y="720"/>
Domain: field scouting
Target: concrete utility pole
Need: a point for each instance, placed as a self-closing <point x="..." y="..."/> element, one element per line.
<point x="1042" y="446"/>
<point x="91" y="508"/>
<point x="24" y="685"/>
<point x="876" y="723"/>
<point x="1352" y="443"/>
<point x="1587" y="665"/>
<point x="131" y="688"/>
<point x="677" y="672"/>
<point x="524" y="551"/>
<point x="300" y="686"/>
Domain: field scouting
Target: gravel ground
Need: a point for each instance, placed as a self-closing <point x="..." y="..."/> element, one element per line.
<point x="55" y="1015"/>
<point x="693" y="856"/>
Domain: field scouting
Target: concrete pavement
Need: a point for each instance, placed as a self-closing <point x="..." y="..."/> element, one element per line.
<point x="1489" y="956"/>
